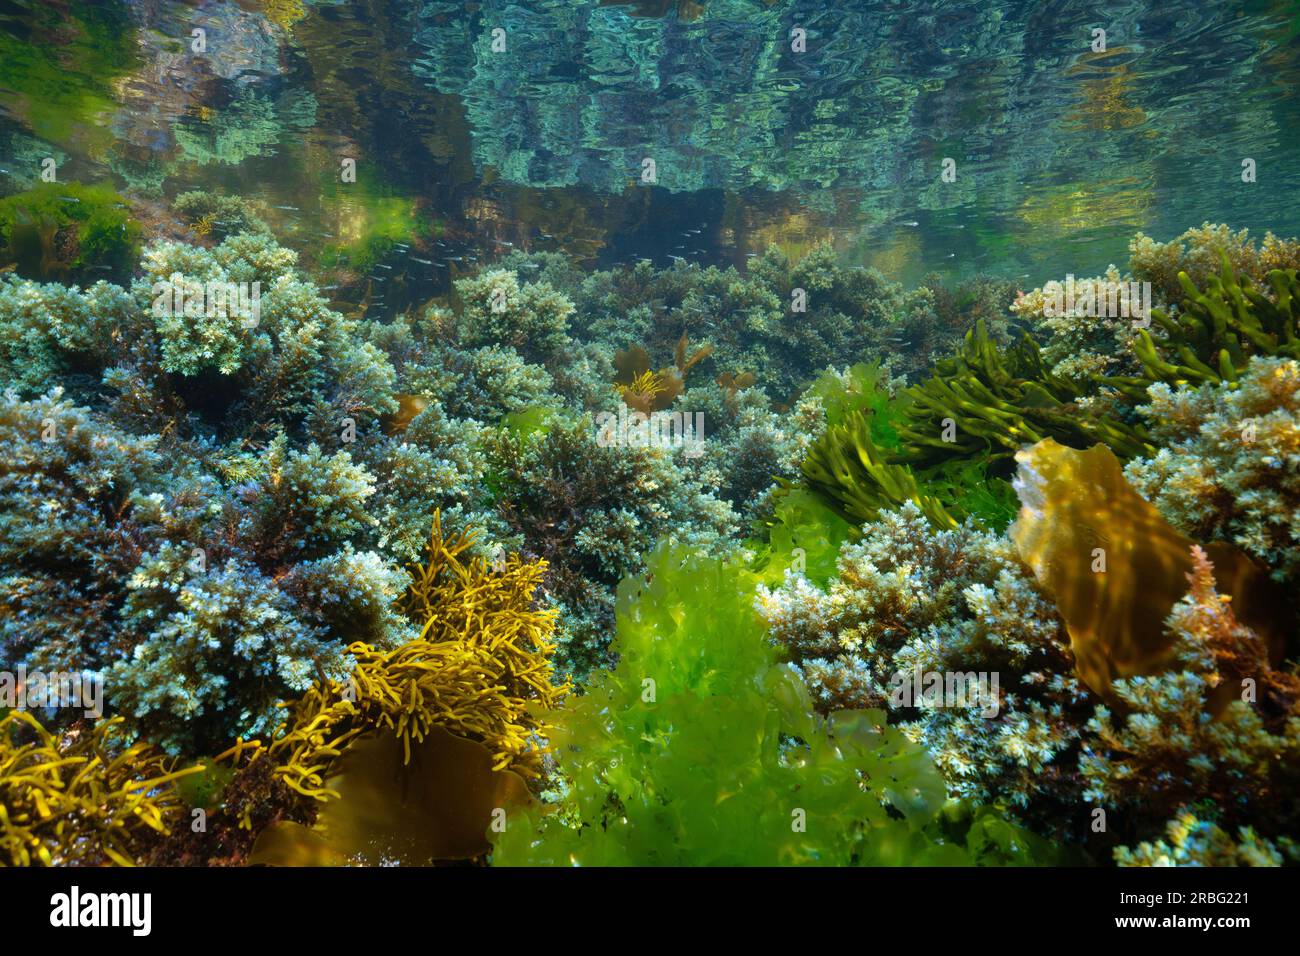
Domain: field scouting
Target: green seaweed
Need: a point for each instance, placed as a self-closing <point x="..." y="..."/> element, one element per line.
<point x="967" y="489"/>
<point x="847" y="467"/>
<point x="700" y="748"/>
<point x="66" y="87"/>
<point x="1214" y="333"/>
<point x="804" y="532"/>
<point x="856" y="464"/>
<point x="986" y="400"/>
<point x="371" y="220"/>
<point x="67" y="231"/>
<point x="530" y="421"/>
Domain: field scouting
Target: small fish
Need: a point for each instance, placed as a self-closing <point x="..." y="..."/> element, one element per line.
<point x="290" y="208"/>
<point x="423" y="262"/>
<point x="909" y="222"/>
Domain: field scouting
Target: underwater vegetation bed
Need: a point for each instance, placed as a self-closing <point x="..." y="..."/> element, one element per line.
<point x="663" y="434"/>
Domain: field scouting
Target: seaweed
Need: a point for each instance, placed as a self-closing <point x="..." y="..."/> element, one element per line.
<point x="700" y="748"/>
<point x="90" y="798"/>
<point x="650" y="391"/>
<point x="415" y="806"/>
<point x="479" y="668"/>
<point x="1214" y="333"/>
<point x="985" y="400"/>
<point x="68" y="232"/>
<point x="846" y="466"/>
<point x="1116" y="567"/>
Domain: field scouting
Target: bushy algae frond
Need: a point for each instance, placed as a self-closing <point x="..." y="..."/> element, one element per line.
<point x="1160" y="756"/>
<point x="1229" y="464"/>
<point x="989" y="400"/>
<point x="479" y="669"/>
<point x="859" y="466"/>
<point x="80" y="800"/>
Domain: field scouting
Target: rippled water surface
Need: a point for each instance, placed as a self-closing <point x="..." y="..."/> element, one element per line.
<point x="466" y="151"/>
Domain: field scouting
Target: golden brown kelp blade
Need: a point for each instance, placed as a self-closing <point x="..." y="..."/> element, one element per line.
<point x="436" y="807"/>
<point x="680" y="359"/>
<point x="285" y="843"/>
<point x="1078" y="516"/>
<point x="408" y="406"/>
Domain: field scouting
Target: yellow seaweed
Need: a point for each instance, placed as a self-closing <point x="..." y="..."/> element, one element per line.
<point x="480" y="669"/>
<point x="81" y="799"/>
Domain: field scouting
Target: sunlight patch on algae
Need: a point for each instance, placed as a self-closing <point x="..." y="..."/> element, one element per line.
<point x="284" y="13"/>
<point x="1106" y="94"/>
<point x="1077" y="511"/>
<point x="1059" y="211"/>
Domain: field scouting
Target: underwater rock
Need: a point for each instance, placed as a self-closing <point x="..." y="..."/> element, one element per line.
<point x="1115" y="566"/>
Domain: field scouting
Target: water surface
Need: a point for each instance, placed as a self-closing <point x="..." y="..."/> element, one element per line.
<point x="467" y="151"/>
